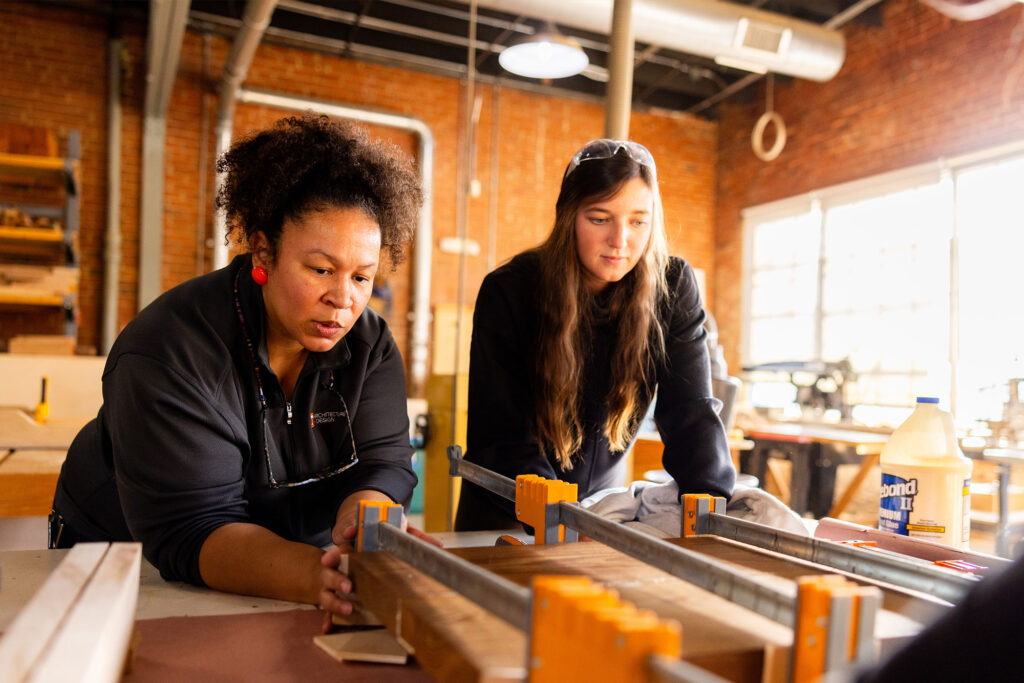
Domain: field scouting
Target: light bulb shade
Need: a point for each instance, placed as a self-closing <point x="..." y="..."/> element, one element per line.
<point x="545" y="55"/>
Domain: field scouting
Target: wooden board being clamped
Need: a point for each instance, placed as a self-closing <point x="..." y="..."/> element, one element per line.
<point x="835" y="626"/>
<point x="572" y="615"/>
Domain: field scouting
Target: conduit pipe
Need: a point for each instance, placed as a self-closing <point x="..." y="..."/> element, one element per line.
<point x="423" y="243"/>
<point x="112" y="246"/>
<point x="167" y="20"/>
<point x="254" y="24"/>
<point x="620" y="72"/>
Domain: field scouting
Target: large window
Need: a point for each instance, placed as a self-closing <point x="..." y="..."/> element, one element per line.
<point x="911" y="277"/>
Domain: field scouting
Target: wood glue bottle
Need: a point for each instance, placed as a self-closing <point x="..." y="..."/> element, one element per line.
<point x="926" y="480"/>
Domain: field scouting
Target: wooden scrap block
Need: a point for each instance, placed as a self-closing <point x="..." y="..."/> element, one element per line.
<point x="377" y="646"/>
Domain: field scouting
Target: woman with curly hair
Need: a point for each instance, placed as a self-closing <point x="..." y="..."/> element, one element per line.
<point x="571" y="339"/>
<point x="247" y="411"/>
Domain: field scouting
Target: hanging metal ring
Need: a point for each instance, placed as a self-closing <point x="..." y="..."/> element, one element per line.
<point x="757" y="136"/>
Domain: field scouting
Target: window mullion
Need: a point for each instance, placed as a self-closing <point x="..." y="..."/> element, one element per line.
<point x="819" y="309"/>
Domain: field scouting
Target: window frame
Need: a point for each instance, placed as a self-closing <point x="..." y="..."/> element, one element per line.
<point x="819" y="202"/>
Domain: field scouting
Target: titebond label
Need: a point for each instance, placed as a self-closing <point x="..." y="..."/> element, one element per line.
<point x="897" y="502"/>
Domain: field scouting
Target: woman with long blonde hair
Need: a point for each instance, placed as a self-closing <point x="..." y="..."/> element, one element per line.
<point x="571" y="340"/>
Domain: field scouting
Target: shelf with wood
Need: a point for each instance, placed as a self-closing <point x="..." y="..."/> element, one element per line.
<point x="38" y="244"/>
<point x="32" y="234"/>
<point x="32" y="169"/>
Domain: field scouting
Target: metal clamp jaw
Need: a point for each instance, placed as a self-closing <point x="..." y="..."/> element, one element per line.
<point x="537" y="501"/>
<point x="371" y="514"/>
<point x="572" y="615"/>
<point x="835" y="626"/>
<point x="696" y="508"/>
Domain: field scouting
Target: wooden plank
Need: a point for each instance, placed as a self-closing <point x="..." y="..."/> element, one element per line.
<point x="93" y="642"/>
<point x="31" y="234"/>
<point x="18" y="430"/>
<point x="21" y="167"/>
<point x="28" y="298"/>
<point x="719" y="636"/>
<point x="42" y="344"/>
<point x="28" y="480"/>
<point x="377" y="646"/>
<point x="455" y="638"/>
<point x="451" y="637"/>
<point x="30" y="633"/>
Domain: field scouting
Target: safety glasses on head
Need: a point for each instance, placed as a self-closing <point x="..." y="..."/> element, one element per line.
<point x="605" y="148"/>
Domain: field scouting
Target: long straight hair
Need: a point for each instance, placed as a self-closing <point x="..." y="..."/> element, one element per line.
<point x="565" y="314"/>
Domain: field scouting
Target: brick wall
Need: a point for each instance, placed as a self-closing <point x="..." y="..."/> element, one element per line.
<point x="536" y="135"/>
<point x="56" y="79"/>
<point x="918" y="88"/>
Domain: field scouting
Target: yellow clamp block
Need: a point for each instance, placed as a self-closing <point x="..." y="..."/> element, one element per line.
<point x="42" y="411"/>
<point x="573" y="615"/>
<point x="383" y="508"/>
<point x="534" y="494"/>
<point x="691" y="501"/>
<point x="814" y="603"/>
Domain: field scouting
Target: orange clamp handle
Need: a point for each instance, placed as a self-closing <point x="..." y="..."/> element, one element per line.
<point x="810" y="639"/>
<point x="572" y="614"/>
<point x="384" y="514"/>
<point x="534" y="494"/>
<point x="691" y="504"/>
<point x="960" y="565"/>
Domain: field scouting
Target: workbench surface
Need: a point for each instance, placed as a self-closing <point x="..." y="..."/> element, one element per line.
<point x="22" y="572"/>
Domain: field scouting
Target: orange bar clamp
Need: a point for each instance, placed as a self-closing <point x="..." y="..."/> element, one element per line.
<point x="533" y="495"/>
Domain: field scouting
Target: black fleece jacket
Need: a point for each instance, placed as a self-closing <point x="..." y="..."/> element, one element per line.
<point x="177" y="449"/>
<point x="501" y="433"/>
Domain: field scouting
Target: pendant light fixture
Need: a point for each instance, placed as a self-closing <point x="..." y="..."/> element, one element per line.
<point x="546" y="54"/>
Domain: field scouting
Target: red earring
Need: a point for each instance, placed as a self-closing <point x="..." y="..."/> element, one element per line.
<point x="259" y="275"/>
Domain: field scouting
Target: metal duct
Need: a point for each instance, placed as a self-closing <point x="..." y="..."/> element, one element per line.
<point x="734" y="34"/>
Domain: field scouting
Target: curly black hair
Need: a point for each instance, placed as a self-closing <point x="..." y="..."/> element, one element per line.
<point x="307" y="163"/>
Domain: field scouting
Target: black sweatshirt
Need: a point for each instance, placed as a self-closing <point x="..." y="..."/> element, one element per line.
<point x="501" y="432"/>
<point x="177" y="449"/>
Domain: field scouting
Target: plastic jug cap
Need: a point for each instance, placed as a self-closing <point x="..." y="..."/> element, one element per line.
<point x="927" y="399"/>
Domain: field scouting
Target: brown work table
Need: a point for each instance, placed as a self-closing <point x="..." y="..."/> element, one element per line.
<point x="815" y="451"/>
<point x="186" y="632"/>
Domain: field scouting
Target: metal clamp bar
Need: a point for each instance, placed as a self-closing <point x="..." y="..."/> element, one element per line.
<point x="699" y="570"/>
<point x="481" y="476"/>
<point x="499" y="596"/>
<point x="900" y="571"/>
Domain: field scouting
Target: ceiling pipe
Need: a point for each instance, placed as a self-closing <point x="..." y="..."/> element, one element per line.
<point x="254" y="24"/>
<point x="167" y="20"/>
<point x="620" y="72"/>
<point x="423" y="244"/>
<point x="112" y="244"/>
<point x="731" y="32"/>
